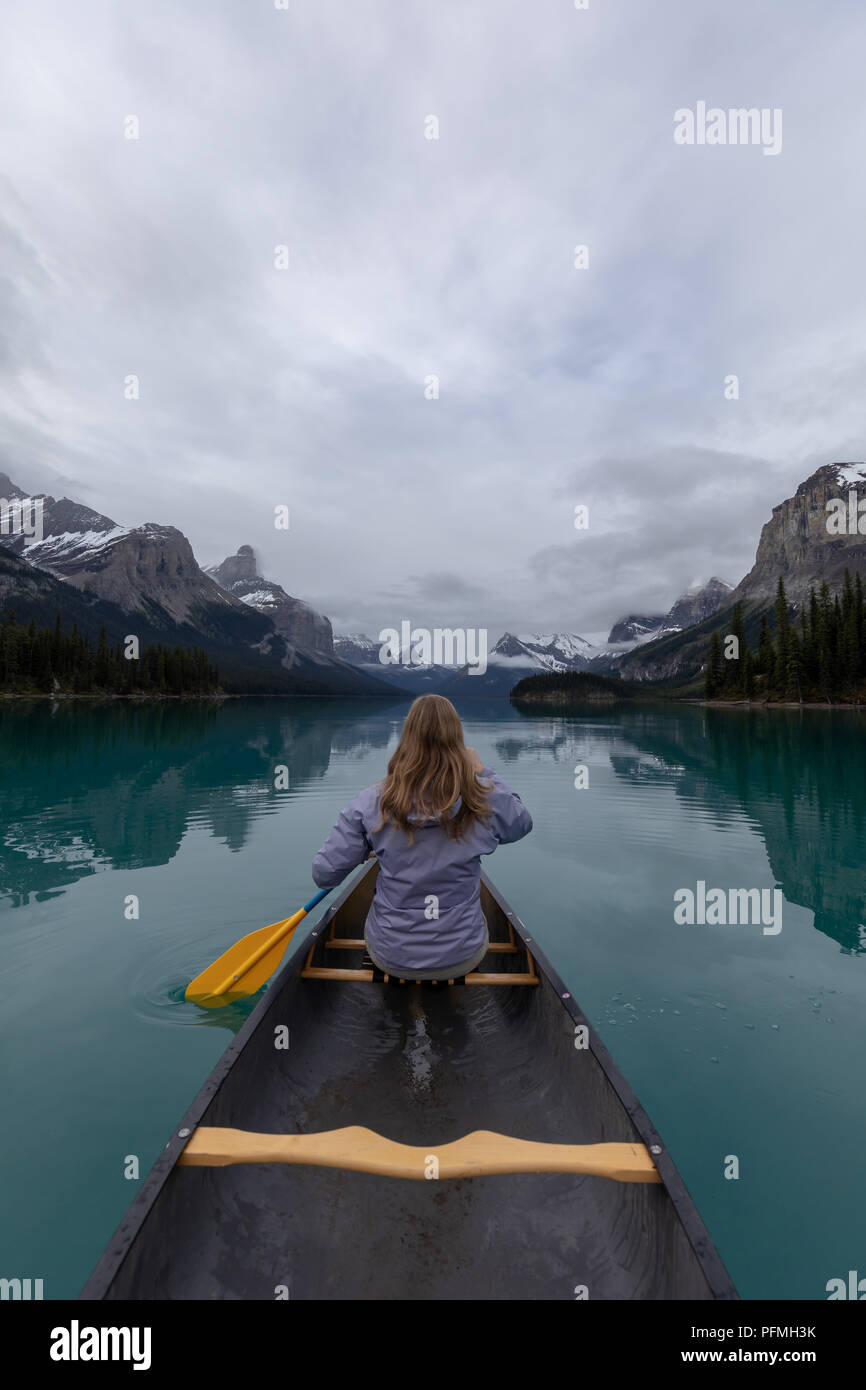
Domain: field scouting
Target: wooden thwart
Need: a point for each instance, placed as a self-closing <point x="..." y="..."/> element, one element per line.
<point x="365" y="975"/>
<point x="326" y="972"/>
<point x="476" y="1155"/>
<point x="347" y="943"/>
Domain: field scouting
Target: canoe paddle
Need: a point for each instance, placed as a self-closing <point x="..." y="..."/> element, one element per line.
<point x="245" y="967"/>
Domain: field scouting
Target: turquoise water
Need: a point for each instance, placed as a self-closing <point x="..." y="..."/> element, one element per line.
<point x="737" y="1042"/>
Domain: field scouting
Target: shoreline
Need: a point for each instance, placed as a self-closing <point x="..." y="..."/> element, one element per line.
<point x="106" y="698"/>
<point x="565" y="701"/>
<point x="777" y="704"/>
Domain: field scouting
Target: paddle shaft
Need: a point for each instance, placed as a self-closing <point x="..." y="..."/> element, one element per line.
<point x="283" y="929"/>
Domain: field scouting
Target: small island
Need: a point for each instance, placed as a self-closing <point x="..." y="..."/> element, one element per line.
<point x="576" y="688"/>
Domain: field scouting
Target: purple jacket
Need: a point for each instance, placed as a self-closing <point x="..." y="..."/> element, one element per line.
<point x="426" y="910"/>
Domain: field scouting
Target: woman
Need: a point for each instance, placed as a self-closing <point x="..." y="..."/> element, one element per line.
<point x="437" y="811"/>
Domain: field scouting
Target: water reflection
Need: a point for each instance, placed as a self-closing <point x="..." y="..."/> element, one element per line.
<point x="799" y="777"/>
<point x="116" y="786"/>
<point x="84" y="788"/>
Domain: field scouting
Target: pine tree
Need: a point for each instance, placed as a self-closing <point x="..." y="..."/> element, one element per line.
<point x="811" y="666"/>
<point x="766" y="659"/>
<point x="783" y="632"/>
<point x="849" y="652"/>
<point x="860" y="621"/>
<point x="734" y="680"/>
<point x="103" y="661"/>
<point x="748" y="685"/>
<point x="825" y="640"/>
<point x="793" y="668"/>
<point x="714" y="676"/>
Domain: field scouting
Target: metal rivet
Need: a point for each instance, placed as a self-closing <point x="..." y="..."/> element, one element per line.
<point x="655" y="1148"/>
<point x="182" y="1133"/>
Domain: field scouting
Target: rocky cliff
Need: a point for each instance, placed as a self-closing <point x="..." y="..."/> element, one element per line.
<point x="295" y="620"/>
<point x="697" y="603"/>
<point x="796" y="543"/>
<point x="635" y="626"/>
<point x="146" y="580"/>
<point x="149" y="569"/>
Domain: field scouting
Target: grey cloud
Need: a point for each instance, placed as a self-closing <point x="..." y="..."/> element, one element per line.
<point x="411" y="257"/>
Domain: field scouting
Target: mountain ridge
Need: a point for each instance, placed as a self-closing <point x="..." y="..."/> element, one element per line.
<point x="149" y="580"/>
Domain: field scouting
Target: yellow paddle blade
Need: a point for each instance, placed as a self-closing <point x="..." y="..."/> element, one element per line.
<point x="245" y="966"/>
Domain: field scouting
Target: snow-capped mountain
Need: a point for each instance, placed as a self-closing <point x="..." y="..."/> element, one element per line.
<point x="636" y="627"/>
<point x="298" y="622"/>
<point x="306" y="634"/>
<point x="137" y="568"/>
<point x="70" y="531"/>
<point x="357" y="648"/>
<point x="510" y="658"/>
<point x="150" y="582"/>
<point x="516" y="655"/>
<point x="700" y="601"/>
<point x="849" y="474"/>
<point x="557" y="651"/>
<point x="362" y="651"/>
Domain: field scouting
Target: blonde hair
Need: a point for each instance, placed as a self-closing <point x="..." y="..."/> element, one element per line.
<point x="430" y="769"/>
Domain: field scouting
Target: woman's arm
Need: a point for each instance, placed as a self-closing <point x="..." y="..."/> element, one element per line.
<point x="346" y="847"/>
<point x="509" y="818"/>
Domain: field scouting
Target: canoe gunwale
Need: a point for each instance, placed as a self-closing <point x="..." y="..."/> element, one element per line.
<point x="698" y="1236"/>
<point x="122" y="1241"/>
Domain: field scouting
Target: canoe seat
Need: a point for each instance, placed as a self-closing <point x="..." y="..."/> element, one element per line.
<point x="368" y="973"/>
<point x="476" y="1155"/>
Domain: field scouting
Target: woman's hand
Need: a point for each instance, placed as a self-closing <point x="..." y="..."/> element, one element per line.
<point x="476" y="762"/>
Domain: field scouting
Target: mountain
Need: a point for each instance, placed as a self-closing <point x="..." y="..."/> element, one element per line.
<point x="676" y="656"/>
<point x="511" y="658"/>
<point x="558" y="651"/>
<point x="362" y="652"/>
<point x="698" y="602"/>
<point x="31" y="592"/>
<point x="357" y="649"/>
<point x="34" y="593"/>
<point x="147" y="570"/>
<point x="515" y="656"/>
<point x="626" y="656"/>
<point x="148" y="581"/>
<point x="302" y="637"/>
<point x="67" y="527"/>
<point x="796" y="544"/>
<point x="636" y="628"/>
<point x="295" y="620"/>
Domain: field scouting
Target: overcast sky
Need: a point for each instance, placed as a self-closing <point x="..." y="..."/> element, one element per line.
<point x="409" y="257"/>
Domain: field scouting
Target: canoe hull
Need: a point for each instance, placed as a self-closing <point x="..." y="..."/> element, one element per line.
<point x="420" y="1067"/>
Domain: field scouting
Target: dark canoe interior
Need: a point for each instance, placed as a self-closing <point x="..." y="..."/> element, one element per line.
<point x="421" y="1066"/>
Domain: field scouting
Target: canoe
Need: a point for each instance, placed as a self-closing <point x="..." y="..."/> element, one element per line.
<point x="363" y="1138"/>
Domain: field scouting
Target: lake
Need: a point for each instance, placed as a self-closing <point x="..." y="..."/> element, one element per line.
<point x="739" y="1041"/>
